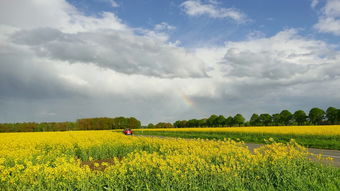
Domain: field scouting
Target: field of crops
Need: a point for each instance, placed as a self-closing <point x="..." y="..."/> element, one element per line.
<point x="106" y="160"/>
<point x="326" y="136"/>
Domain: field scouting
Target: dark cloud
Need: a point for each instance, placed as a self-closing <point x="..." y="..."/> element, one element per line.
<point x="126" y="53"/>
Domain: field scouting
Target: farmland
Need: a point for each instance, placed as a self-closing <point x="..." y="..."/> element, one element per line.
<point x="106" y="160"/>
<point x="327" y="136"/>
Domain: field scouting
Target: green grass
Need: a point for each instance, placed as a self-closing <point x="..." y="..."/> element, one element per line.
<point x="311" y="141"/>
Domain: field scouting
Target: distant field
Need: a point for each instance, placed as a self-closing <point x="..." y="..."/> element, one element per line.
<point x="327" y="136"/>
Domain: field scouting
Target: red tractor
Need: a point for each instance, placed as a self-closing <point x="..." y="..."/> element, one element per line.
<point x="127" y="132"/>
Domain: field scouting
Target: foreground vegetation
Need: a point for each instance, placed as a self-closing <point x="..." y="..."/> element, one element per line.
<point x="327" y="137"/>
<point x="104" y="160"/>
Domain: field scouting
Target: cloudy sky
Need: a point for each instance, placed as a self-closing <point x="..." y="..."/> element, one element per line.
<point x="166" y="60"/>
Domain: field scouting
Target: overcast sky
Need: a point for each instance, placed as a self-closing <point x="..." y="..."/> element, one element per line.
<point x="166" y="60"/>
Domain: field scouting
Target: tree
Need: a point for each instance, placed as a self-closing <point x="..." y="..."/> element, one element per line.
<point x="229" y="121"/>
<point x="239" y="119"/>
<point x="180" y="124"/>
<point x="192" y="123"/>
<point x="176" y="124"/>
<point x="133" y="123"/>
<point x="265" y="119"/>
<point x="184" y="123"/>
<point x="150" y="126"/>
<point x="316" y="115"/>
<point x="286" y="117"/>
<point x="300" y="117"/>
<point x="254" y="120"/>
<point x="220" y="120"/>
<point x="202" y="122"/>
<point x="211" y="120"/>
<point x="332" y="115"/>
<point x="164" y="125"/>
<point x="276" y="118"/>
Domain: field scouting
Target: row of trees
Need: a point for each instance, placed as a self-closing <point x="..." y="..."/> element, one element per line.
<point x="316" y="116"/>
<point x="103" y="123"/>
<point x="212" y="121"/>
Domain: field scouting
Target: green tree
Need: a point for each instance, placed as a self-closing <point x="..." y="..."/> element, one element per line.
<point x="202" y="122"/>
<point x="300" y="117"/>
<point x="164" y="125"/>
<point x="211" y="121"/>
<point x="286" y="117"/>
<point x="254" y="120"/>
<point x="220" y="120"/>
<point x="276" y="119"/>
<point x="150" y="126"/>
<point x="265" y="119"/>
<point x="316" y="116"/>
<point x="332" y="115"/>
<point x="176" y="124"/>
<point x="133" y="123"/>
<point x="239" y="119"/>
<point x="229" y="121"/>
<point x="192" y="123"/>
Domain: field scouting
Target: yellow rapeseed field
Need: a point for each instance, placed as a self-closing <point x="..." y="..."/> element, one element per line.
<point x="300" y="130"/>
<point x="106" y="160"/>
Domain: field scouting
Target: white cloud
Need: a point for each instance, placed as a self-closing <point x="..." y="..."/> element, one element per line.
<point x="55" y="14"/>
<point x="197" y="8"/>
<point x="114" y="4"/>
<point x="314" y="3"/>
<point x="104" y="41"/>
<point x="329" y="20"/>
<point x="163" y="26"/>
<point x="271" y="73"/>
<point x="283" y="58"/>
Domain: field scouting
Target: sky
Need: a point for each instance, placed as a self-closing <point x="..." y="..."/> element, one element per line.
<point x="61" y="60"/>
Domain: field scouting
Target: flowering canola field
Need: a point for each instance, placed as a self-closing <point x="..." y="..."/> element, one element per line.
<point x="298" y="130"/>
<point x="325" y="136"/>
<point x="106" y="160"/>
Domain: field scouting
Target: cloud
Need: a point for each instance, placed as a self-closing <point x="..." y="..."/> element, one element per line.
<point x="282" y="71"/>
<point x="114" y="4"/>
<point x="74" y="66"/>
<point x="268" y="74"/>
<point x="55" y="14"/>
<point x="284" y="58"/>
<point x="329" y="20"/>
<point x="69" y="59"/>
<point x="163" y="26"/>
<point x="121" y="52"/>
<point x="103" y="41"/>
<point x="314" y="3"/>
<point x="197" y="8"/>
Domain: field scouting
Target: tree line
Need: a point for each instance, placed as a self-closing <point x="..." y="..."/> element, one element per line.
<point x="315" y="116"/>
<point x="102" y="123"/>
